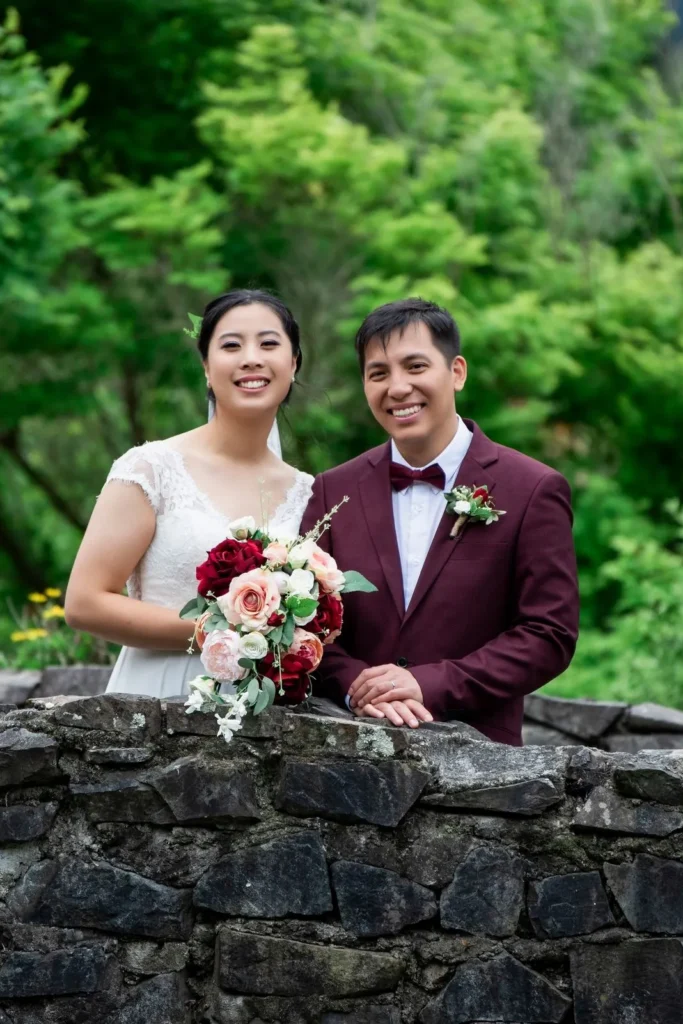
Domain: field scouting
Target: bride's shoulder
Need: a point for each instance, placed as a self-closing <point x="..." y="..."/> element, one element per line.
<point x="151" y="465"/>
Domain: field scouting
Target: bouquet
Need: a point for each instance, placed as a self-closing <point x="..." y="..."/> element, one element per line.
<point x="265" y="608"/>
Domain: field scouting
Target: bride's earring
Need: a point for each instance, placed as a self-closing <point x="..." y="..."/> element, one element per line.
<point x="293" y="378"/>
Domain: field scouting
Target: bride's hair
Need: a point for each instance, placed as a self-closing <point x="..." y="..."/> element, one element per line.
<point x="246" y="297"/>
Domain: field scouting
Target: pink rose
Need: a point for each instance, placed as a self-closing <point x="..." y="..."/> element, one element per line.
<point x="276" y="553"/>
<point x="220" y="655"/>
<point x="307" y="648"/>
<point x="324" y="568"/>
<point x="251" y="600"/>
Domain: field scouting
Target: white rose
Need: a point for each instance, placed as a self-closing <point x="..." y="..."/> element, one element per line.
<point x="241" y="528"/>
<point x="300" y="554"/>
<point x="462" y="507"/>
<point x="301" y="582"/>
<point x="202" y="684"/>
<point x="253" y="645"/>
<point x="281" y="581"/>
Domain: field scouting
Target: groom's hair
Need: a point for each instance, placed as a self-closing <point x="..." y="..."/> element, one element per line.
<point x="396" y="316"/>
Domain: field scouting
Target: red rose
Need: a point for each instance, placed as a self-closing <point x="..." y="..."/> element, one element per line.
<point x="293" y="673"/>
<point x="481" y="492"/>
<point x="227" y="560"/>
<point x="276" y="619"/>
<point x="328" y="618"/>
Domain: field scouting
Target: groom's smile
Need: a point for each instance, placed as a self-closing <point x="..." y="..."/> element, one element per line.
<point x="410" y="386"/>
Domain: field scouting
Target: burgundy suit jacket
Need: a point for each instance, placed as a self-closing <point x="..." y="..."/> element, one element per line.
<point x="494" y="614"/>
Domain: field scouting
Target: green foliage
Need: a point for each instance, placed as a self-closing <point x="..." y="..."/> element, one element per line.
<point x="520" y="163"/>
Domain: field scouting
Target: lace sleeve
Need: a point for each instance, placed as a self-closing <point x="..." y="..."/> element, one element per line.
<point x="138" y="466"/>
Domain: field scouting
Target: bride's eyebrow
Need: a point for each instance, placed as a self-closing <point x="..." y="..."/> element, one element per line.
<point x="237" y="334"/>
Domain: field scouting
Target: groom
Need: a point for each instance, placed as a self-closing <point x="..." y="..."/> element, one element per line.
<point x="461" y="627"/>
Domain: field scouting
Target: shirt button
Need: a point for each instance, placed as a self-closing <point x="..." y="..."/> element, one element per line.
<point x="402" y="662"/>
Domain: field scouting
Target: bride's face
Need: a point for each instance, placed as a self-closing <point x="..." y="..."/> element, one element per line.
<point x="250" y="362"/>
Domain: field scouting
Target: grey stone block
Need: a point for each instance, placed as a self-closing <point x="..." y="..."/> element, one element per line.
<point x="639" y="982"/>
<point x="125" y="757"/>
<point x="519" y="776"/>
<point x="83" y="895"/>
<point x="650" y="893"/>
<point x="500" y="990"/>
<point x="373" y="901"/>
<point x="17" y="687"/>
<point x="520" y="798"/>
<point x="122" y="800"/>
<point x="149" y="958"/>
<point x="112" y="712"/>
<point x="661" y="783"/>
<point x="74" y="680"/>
<point x="566" y="905"/>
<point x="605" y="811"/>
<point x="198" y="790"/>
<point x="264" y="965"/>
<point x="63" y="972"/>
<point x="534" y="735"/>
<point x="285" y="876"/>
<point x="486" y="895"/>
<point x="161" y="1000"/>
<point x="633" y="743"/>
<point x="27" y="757"/>
<point x="346" y="791"/>
<point x="21" y="823"/>
<point x="585" y="719"/>
<point x="653" y="718"/>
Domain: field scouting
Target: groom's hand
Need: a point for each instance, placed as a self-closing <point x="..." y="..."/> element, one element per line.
<point x="385" y="684"/>
<point x="398" y="712"/>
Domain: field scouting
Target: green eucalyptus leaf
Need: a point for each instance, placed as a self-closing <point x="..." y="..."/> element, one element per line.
<point x="247" y="663"/>
<point x="253" y="690"/>
<point x="357" y="583"/>
<point x="190" y="610"/>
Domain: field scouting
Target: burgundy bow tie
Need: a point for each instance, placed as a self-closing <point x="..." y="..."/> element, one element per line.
<point x="402" y="476"/>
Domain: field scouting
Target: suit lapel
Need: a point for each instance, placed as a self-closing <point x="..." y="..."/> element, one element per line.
<point x="375" y="492"/>
<point x="482" y="452"/>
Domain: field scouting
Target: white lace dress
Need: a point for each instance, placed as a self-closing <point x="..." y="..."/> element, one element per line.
<point x="187" y="526"/>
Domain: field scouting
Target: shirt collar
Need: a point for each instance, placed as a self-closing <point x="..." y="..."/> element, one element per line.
<point x="450" y="458"/>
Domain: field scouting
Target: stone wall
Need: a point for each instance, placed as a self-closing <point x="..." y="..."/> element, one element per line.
<point x="326" y="871"/>
<point x="549" y="721"/>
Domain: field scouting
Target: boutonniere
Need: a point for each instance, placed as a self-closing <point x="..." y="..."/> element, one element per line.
<point x="471" y="503"/>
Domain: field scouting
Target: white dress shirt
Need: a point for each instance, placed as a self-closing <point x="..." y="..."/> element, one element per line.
<point x="418" y="509"/>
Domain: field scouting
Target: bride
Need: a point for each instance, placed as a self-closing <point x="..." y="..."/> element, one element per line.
<point x="165" y="503"/>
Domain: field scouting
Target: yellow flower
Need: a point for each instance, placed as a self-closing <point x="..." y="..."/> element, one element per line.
<point x="18" y="636"/>
<point x="53" y="592"/>
<point x="37" y="598"/>
<point x="56" y="612"/>
<point x="36" y="634"/>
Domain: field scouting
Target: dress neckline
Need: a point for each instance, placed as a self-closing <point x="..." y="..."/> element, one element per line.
<point x="211" y="505"/>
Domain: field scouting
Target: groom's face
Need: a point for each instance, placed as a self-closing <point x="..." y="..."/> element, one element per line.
<point x="410" y="387"/>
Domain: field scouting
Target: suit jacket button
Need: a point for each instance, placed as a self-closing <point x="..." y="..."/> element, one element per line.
<point x="402" y="662"/>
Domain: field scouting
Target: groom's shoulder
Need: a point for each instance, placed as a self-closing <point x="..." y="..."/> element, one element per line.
<point x="350" y="470"/>
<point x="523" y="469"/>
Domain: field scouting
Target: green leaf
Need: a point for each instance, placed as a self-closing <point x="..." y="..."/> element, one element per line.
<point x="263" y="699"/>
<point x="357" y="583"/>
<point x="301" y="606"/>
<point x="275" y="635"/>
<point x="253" y="690"/>
<point x="191" y="610"/>
<point x="288" y="631"/>
<point x="247" y="663"/>
<point x="270" y="688"/>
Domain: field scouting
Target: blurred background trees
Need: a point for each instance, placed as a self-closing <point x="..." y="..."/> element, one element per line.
<point x="521" y="163"/>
